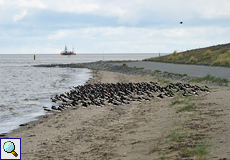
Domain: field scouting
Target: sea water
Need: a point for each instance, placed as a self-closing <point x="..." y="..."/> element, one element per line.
<point x="24" y="89"/>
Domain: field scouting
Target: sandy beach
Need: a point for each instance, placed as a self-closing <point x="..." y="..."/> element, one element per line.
<point x="147" y="130"/>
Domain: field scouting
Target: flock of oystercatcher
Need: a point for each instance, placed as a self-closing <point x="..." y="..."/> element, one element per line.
<point x="119" y="93"/>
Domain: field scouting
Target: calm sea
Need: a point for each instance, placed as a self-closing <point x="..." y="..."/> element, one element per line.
<point x="24" y="89"/>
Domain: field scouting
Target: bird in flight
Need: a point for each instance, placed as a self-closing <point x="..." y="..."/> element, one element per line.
<point x="181" y="22"/>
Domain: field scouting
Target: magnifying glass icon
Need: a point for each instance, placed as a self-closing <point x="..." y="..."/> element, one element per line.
<point x="9" y="147"/>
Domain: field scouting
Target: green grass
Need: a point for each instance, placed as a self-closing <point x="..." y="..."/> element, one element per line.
<point x="185" y="152"/>
<point x="162" y="80"/>
<point x="218" y="55"/>
<point x="162" y="158"/>
<point x="177" y="102"/>
<point x="176" y="74"/>
<point x="211" y="78"/>
<point x="157" y="71"/>
<point x="169" y="92"/>
<point x="189" y="107"/>
<point x="202" y="149"/>
<point x="176" y="137"/>
<point x="138" y="68"/>
<point x="223" y="59"/>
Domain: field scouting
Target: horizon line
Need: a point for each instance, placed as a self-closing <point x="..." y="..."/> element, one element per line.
<point x="87" y="53"/>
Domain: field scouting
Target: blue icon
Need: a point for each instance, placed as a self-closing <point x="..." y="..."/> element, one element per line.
<point x="9" y="147"/>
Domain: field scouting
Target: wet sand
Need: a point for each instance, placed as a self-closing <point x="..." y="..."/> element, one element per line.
<point x="131" y="131"/>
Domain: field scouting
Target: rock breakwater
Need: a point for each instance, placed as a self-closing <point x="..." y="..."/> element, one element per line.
<point x="107" y="66"/>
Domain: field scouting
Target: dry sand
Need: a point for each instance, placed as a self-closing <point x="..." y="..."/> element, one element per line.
<point x="132" y="131"/>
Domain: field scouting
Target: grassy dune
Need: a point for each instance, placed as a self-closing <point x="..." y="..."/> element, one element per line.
<point x="218" y="55"/>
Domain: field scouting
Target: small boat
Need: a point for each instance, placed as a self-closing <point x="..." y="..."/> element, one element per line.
<point x="67" y="53"/>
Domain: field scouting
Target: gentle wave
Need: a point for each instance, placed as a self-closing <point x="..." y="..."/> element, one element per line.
<point x="25" y="89"/>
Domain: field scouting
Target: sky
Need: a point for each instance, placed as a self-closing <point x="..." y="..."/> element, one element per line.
<point x="112" y="26"/>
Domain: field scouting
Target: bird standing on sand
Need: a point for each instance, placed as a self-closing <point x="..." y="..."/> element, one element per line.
<point x="119" y="93"/>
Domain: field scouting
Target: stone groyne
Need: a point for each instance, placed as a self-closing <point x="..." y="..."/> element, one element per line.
<point x="107" y="66"/>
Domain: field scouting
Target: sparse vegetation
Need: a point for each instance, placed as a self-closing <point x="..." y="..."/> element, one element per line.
<point x="185" y="152"/>
<point x="176" y="74"/>
<point x="174" y="52"/>
<point x="156" y="146"/>
<point x="162" y="80"/>
<point x="218" y="55"/>
<point x="192" y="59"/>
<point x="138" y="68"/>
<point x="223" y="59"/>
<point x="189" y="107"/>
<point x="180" y="56"/>
<point x="202" y="150"/>
<point x="211" y="78"/>
<point x="125" y="65"/>
<point x="171" y="58"/>
<point x="177" y="102"/>
<point x="157" y="71"/>
<point x="184" y="142"/>
<point x="176" y="137"/>
<point x="154" y="149"/>
<point x="208" y="52"/>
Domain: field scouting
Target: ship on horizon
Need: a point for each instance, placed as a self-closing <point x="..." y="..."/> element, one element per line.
<point x="67" y="53"/>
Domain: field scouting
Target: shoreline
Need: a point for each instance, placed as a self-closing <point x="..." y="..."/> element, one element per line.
<point x="36" y="116"/>
<point x="27" y="125"/>
<point x="38" y="119"/>
<point x="102" y="132"/>
<point x="107" y="66"/>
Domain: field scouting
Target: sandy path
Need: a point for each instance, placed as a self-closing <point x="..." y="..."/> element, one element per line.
<point x="133" y="131"/>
